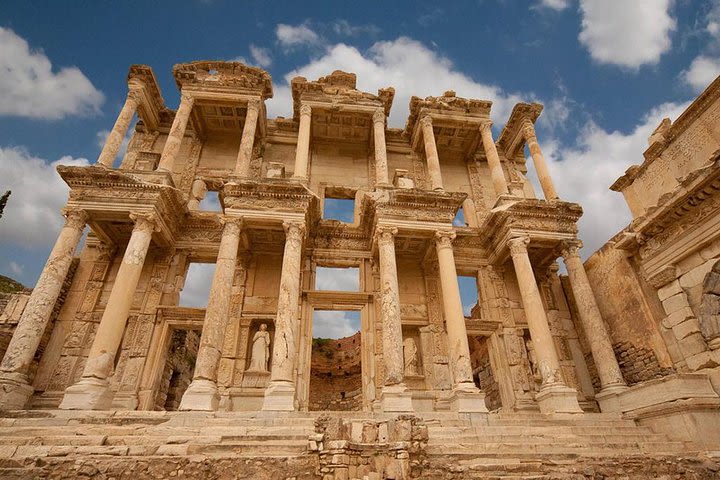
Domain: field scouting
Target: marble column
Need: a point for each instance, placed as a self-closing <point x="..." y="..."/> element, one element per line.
<point x="381" y="165"/>
<point x="496" y="170"/>
<point x="539" y="161"/>
<point x="15" y="389"/>
<point x="431" y="154"/>
<point x="119" y="130"/>
<point x="280" y="392"/>
<point x="611" y="379"/>
<point x="177" y="132"/>
<point x="466" y="397"/>
<point x="303" y="143"/>
<point x="554" y="396"/>
<point x="92" y="391"/>
<point x="202" y="394"/>
<point x="394" y="395"/>
<point x="244" y="157"/>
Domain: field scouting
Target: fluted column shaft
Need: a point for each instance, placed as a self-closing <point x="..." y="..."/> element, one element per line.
<point x="14" y="387"/>
<point x="247" y="141"/>
<point x="593" y="325"/>
<point x="303" y="143"/>
<point x="496" y="171"/>
<point x="547" y="358"/>
<point x="431" y="154"/>
<point x="381" y="165"/>
<point x="539" y="161"/>
<point x="453" y="311"/>
<point x="119" y="130"/>
<point x="177" y="132"/>
<point x="392" y="340"/>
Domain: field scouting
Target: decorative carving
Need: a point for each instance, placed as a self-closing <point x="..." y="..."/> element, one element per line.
<point x="518" y="245"/>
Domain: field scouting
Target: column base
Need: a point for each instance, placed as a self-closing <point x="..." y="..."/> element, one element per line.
<point x="468" y="400"/>
<point x="88" y="394"/>
<point x="279" y="396"/>
<point x="125" y="401"/>
<point x="610" y="390"/>
<point x="15" y="391"/>
<point x="558" y="398"/>
<point x="201" y="395"/>
<point x="396" y="398"/>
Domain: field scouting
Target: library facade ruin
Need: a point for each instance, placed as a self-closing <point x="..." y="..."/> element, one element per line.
<point x="627" y="340"/>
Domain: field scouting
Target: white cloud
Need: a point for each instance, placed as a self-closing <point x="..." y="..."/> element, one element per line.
<point x="16" y="268"/>
<point x="261" y="55"/>
<point x="702" y="71"/>
<point x="338" y="279"/>
<point x="405" y="64"/>
<point x="585" y="173"/>
<point x="626" y="33"/>
<point x="335" y="324"/>
<point x="32" y="216"/>
<point x="343" y="27"/>
<point x="30" y="88"/>
<point x="196" y="290"/>
<point x="290" y="36"/>
<point x="555" y="4"/>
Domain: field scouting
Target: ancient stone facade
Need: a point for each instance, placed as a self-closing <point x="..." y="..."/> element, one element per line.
<point x="536" y="348"/>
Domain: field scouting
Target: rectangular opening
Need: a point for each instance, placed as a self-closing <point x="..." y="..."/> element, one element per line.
<point x="345" y="279"/>
<point x="339" y="204"/>
<point x="198" y="281"/>
<point x="211" y="202"/>
<point x="469" y="296"/>
<point x="178" y="369"/>
<point x="459" y="220"/>
<point x="335" y="362"/>
<point x="482" y="370"/>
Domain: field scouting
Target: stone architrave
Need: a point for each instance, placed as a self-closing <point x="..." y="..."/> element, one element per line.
<point x="539" y="161"/>
<point x="496" y="170"/>
<point x="15" y="389"/>
<point x="381" y="166"/>
<point x="466" y="396"/>
<point x="119" y="130"/>
<point x="92" y="391"/>
<point x="247" y="141"/>
<point x="431" y="154"/>
<point x="202" y="394"/>
<point x="177" y="132"/>
<point x="554" y="396"/>
<point x="280" y="393"/>
<point x="302" y="150"/>
<point x="611" y="378"/>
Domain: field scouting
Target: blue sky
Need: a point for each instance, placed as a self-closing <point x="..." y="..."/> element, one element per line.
<point x="607" y="71"/>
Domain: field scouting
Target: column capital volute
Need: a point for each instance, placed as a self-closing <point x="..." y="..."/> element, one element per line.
<point x="486" y="125"/>
<point x="305" y="110"/>
<point x="379" y="116"/>
<point x="231" y="225"/>
<point x="444" y="238"/>
<point x="570" y="248"/>
<point x="145" y="222"/>
<point x="518" y="245"/>
<point x="254" y="104"/>
<point x="294" y="230"/>
<point x="385" y="233"/>
<point x="426" y="121"/>
<point x="75" y="217"/>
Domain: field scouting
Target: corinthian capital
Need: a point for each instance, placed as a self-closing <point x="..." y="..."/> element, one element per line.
<point x="135" y="95"/>
<point x="305" y="110"/>
<point x="444" y="238"/>
<point x="426" y="121"/>
<point x="75" y="218"/>
<point x="254" y="104"/>
<point x="294" y="230"/>
<point x="570" y="248"/>
<point x="518" y="245"/>
<point x="385" y="233"/>
<point x="232" y="225"/>
<point x="528" y="130"/>
<point x="486" y="125"/>
<point x="379" y="116"/>
<point x="145" y="222"/>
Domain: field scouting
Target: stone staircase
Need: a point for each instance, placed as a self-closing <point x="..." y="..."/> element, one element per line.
<point x="260" y="445"/>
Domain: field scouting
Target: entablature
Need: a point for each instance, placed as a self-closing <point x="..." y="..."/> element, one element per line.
<point x="512" y="138"/>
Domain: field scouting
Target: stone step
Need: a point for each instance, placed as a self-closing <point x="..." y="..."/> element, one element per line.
<point x="578" y="448"/>
<point x="537" y="439"/>
<point x="515" y="430"/>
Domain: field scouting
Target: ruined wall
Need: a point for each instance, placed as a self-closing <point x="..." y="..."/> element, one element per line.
<point x="335" y="374"/>
<point x="179" y="368"/>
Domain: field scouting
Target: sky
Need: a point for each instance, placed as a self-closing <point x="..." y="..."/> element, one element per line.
<point x="607" y="72"/>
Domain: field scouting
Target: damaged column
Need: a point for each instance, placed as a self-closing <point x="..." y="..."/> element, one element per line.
<point x="202" y="394"/>
<point x="92" y="391"/>
<point x="15" y="389"/>
<point x="381" y="165"/>
<point x="302" y="151"/>
<point x="119" y="130"/>
<point x="491" y="154"/>
<point x="394" y="396"/>
<point x="554" y="396"/>
<point x="280" y="392"/>
<point x="465" y="397"/>
<point x="543" y="173"/>
<point x="242" y="166"/>
<point x="431" y="154"/>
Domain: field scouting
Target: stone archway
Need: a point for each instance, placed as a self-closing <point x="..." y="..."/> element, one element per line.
<point x="710" y="307"/>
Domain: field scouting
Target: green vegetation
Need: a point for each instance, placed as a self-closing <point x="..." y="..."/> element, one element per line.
<point x="323" y="345"/>
<point x="8" y="285"/>
<point x="3" y="202"/>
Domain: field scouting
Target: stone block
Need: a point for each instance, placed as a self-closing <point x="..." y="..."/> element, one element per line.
<point x="675" y="302"/>
<point x="711" y="252"/>
<point x="669" y="290"/>
<point x="678" y="317"/>
<point x="685" y="328"/>
<point x="696" y="275"/>
<point x="692" y="345"/>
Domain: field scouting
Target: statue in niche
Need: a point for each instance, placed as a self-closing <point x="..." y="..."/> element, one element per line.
<point x="532" y="359"/>
<point x="260" y="353"/>
<point x="410" y="353"/>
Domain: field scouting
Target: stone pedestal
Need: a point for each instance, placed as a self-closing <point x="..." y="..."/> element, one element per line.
<point x="88" y="394"/>
<point x="557" y="398"/>
<point x="396" y="398"/>
<point x="463" y="401"/>
<point x="201" y="395"/>
<point x="280" y="396"/>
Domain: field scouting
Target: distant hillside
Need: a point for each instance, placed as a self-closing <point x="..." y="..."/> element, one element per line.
<point x="8" y="285"/>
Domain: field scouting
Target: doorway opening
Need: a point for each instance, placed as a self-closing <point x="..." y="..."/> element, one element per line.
<point x="179" y="368"/>
<point x="483" y="371"/>
<point x="335" y="361"/>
